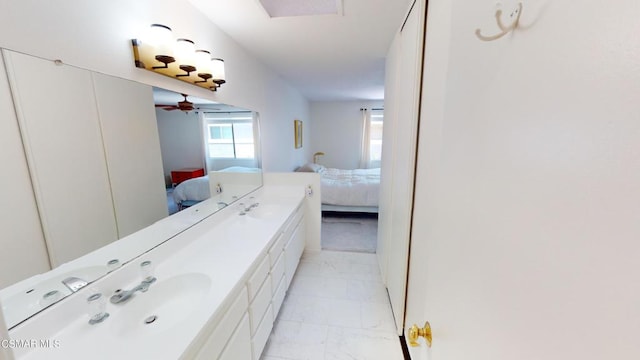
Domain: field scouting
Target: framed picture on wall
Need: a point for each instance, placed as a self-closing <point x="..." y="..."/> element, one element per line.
<point x="297" y="130"/>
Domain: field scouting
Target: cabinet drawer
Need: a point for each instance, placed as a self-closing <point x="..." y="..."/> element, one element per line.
<point x="261" y="336"/>
<point x="292" y="252"/>
<point x="255" y="281"/>
<point x="278" y="295"/>
<point x="259" y="305"/>
<point x="237" y="347"/>
<point x="276" y="249"/>
<point x="276" y="272"/>
<point x="292" y="223"/>
<point x="223" y="331"/>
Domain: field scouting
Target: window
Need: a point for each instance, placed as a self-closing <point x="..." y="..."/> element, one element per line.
<point x="230" y="136"/>
<point x="371" y="155"/>
<point x="375" y="138"/>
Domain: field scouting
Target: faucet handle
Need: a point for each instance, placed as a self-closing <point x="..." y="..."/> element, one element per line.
<point x="97" y="306"/>
<point x="147" y="269"/>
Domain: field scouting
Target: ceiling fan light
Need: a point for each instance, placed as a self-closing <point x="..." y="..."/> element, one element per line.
<point x="217" y="70"/>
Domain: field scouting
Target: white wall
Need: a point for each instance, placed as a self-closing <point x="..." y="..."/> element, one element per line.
<point x="527" y="189"/>
<point x="336" y="130"/>
<point x="96" y="36"/>
<point x="180" y="141"/>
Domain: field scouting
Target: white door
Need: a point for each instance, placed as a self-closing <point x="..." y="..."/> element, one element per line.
<point x="526" y="213"/>
<point x="400" y="136"/>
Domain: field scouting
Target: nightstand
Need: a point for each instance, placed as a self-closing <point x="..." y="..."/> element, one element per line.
<point x="180" y="175"/>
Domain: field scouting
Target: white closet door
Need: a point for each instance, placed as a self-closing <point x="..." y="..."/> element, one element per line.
<point x="397" y="184"/>
<point x="132" y="147"/>
<point x="23" y="249"/>
<point x="57" y="113"/>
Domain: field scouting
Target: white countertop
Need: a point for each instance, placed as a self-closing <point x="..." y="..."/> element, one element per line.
<point x="224" y="247"/>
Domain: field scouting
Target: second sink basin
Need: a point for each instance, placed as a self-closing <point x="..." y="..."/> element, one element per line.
<point x="266" y="211"/>
<point x="164" y="305"/>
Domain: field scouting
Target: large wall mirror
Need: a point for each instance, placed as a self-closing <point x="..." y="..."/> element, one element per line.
<point x="102" y="163"/>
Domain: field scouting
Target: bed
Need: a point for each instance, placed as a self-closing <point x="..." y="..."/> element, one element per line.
<point x="192" y="191"/>
<point x="347" y="190"/>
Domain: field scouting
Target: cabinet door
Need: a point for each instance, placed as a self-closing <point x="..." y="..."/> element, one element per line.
<point x="293" y="250"/>
<point x="132" y="147"/>
<point x="23" y="249"/>
<point x="239" y="345"/>
<point x="58" y="119"/>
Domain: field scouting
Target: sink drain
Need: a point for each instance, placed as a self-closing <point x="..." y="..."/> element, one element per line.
<point x="150" y="319"/>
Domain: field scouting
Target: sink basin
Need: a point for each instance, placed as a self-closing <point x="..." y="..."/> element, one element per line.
<point x="266" y="211"/>
<point x="162" y="307"/>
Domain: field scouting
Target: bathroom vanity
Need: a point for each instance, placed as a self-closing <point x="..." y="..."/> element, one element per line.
<point x="218" y="289"/>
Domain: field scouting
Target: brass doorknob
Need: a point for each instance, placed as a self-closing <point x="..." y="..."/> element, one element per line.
<point x="415" y="332"/>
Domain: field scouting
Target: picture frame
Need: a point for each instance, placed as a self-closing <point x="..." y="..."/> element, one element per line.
<point x="297" y="131"/>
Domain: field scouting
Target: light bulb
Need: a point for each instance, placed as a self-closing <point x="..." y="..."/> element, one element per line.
<point x="203" y="61"/>
<point x="217" y="70"/>
<point x="161" y="38"/>
<point x="185" y="52"/>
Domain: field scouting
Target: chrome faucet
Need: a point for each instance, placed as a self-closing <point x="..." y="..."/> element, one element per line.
<point x="122" y="296"/>
<point x="74" y="283"/>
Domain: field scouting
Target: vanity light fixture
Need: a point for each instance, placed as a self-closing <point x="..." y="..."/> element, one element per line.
<point x="203" y="64"/>
<point x="160" y="38"/>
<point x="179" y="59"/>
<point x="186" y="52"/>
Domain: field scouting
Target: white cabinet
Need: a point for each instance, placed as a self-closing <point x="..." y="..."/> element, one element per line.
<point x="243" y="331"/>
<point x="238" y="348"/>
<point x="93" y="153"/>
<point x="293" y="251"/>
<point x="56" y="109"/>
<point x="259" y="339"/>
<point x="224" y="330"/>
<point x="288" y="244"/>
<point x="23" y="249"/>
<point x="259" y="305"/>
<point x="132" y="148"/>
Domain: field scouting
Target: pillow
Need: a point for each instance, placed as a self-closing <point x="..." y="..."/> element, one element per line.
<point x="310" y="167"/>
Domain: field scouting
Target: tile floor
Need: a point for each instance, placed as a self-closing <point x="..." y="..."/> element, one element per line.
<point x="336" y="308"/>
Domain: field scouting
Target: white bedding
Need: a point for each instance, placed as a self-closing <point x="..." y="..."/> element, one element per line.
<point x="359" y="187"/>
<point x="193" y="189"/>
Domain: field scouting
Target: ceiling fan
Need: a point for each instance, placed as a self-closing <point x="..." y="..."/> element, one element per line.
<point x="184" y="105"/>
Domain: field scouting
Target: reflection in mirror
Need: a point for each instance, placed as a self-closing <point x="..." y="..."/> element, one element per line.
<point x="92" y="173"/>
<point x="199" y="137"/>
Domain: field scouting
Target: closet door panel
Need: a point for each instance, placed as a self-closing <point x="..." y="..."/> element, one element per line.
<point x="57" y="113"/>
<point x="23" y="249"/>
<point x="132" y="147"/>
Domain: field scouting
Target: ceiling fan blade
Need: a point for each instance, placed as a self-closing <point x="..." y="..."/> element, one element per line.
<point x="167" y="107"/>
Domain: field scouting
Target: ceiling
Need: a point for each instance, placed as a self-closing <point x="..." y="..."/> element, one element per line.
<point x="326" y="57"/>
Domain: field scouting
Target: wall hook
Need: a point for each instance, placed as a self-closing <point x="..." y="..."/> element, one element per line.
<point x="505" y="29"/>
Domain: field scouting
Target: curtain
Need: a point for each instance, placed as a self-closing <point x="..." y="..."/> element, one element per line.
<point x="365" y="151"/>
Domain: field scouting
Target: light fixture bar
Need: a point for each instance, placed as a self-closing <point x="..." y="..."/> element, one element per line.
<point x="158" y="52"/>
